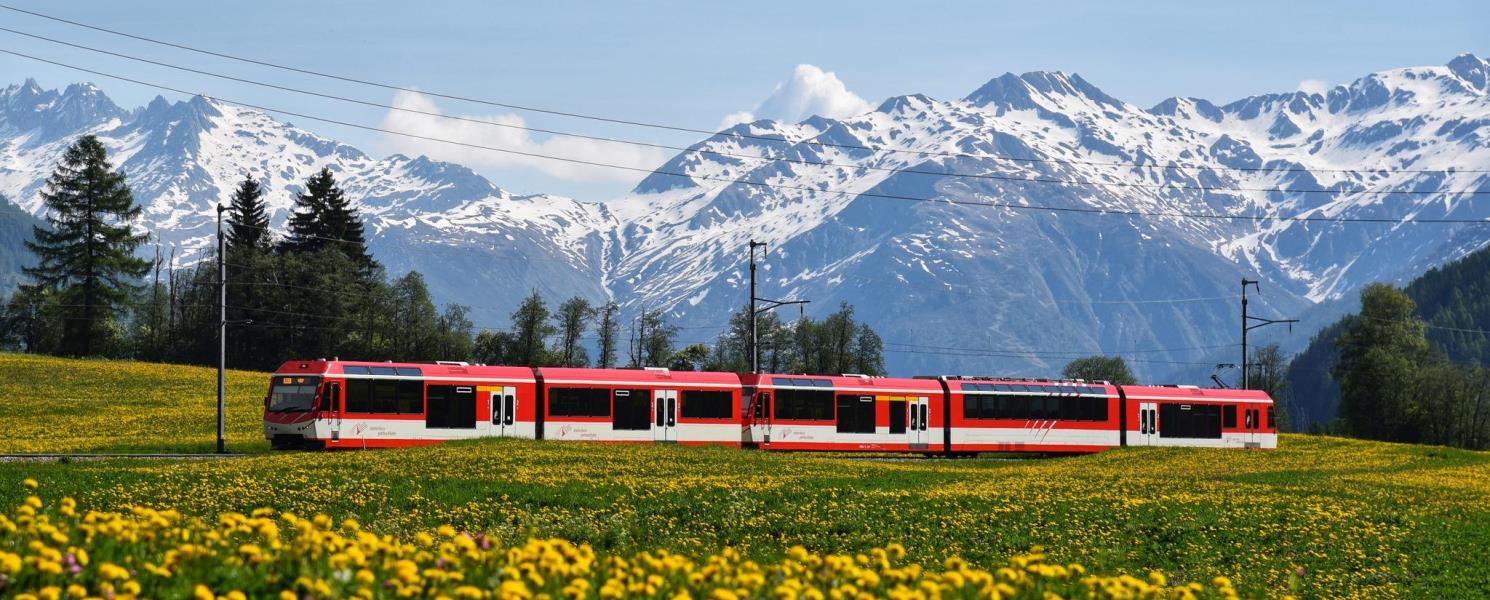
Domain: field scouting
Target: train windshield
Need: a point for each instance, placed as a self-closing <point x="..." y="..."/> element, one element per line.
<point x="287" y="394"/>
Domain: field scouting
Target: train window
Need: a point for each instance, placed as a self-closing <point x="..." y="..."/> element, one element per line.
<point x="1190" y="420"/>
<point x="1019" y="408"/>
<point x="382" y="370"/>
<point x="451" y="407"/>
<point x="410" y="397"/>
<point x="385" y="396"/>
<point x="1099" y="409"/>
<point x="632" y="409"/>
<point x="897" y="416"/>
<point x="579" y="402"/>
<point x="855" y="414"/>
<point x="353" y="370"/>
<point x="1271" y="422"/>
<point x="805" y="405"/>
<point x="1072" y="409"/>
<point x="970" y="407"/>
<point x="358" y="396"/>
<point x="408" y="371"/>
<point x="1228" y="416"/>
<point x="711" y="404"/>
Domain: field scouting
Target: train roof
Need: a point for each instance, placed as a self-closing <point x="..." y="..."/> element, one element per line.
<point x="1185" y="392"/>
<point x="402" y="369"/>
<point x="1016" y="385"/>
<point x="653" y="376"/>
<point x="848" y="382"/>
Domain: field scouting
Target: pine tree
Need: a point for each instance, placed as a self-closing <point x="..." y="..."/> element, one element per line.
<point x="248" y="222"/>
<point x="87" y="252"/>
<point x="324" y="218"/>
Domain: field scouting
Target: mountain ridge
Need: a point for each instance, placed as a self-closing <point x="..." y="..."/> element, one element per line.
<point x="1008" y="289"/>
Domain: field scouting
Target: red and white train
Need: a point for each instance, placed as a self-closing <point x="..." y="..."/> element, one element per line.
<point x="349" y="404"/>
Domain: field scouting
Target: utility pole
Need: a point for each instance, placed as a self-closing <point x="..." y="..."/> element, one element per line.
<point x="222" y="330"/>
<point x="754" y="355"/>
<point x="1246" y="326"/>
<point x="754" y="346"/>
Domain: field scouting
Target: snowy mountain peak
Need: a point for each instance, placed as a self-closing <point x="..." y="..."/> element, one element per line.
<point x="905" y="104"/>
<point x="978" y="264"/>
<point x="47" y="114"/>
<point x="1473" y="70"/>
<point x="1189" y="108"/>
<point x="1036" y="88"/>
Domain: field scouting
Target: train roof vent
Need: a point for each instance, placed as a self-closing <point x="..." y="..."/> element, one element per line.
<point x="659" y="371"/>
<point x="453" y="363"/>
<point x="856" y="375"/>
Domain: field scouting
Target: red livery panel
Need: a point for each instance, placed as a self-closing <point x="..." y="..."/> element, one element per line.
<point x="350" y="404"/>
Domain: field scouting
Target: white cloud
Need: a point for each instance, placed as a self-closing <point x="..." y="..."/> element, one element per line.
<point x="519" y="140"/>
<point x="809" y="91"/>
<point x="1314" y="86"/>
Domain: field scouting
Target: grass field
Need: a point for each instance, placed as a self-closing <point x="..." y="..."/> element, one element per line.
<point x="58" y="405"/>
<point x="1320" y="517"/>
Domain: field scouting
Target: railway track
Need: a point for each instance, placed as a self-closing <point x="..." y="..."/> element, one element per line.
<point x="56" y="457"/>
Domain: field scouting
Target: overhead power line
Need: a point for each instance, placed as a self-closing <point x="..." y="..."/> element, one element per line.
<point x="1173" y="165"/>
<point x="700" y="151"/>
<point x="864" y="194"/>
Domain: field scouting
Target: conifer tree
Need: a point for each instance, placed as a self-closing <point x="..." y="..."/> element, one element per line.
<point x="248" y="222"/>
<point x="87" y="252"/>
<point x="324" y="218"/>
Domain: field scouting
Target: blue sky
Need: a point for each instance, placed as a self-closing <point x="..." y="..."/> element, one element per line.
<point x="697" y="63"/>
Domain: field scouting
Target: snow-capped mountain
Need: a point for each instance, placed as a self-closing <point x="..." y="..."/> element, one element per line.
<point x="469" y="237"/>
<point x="974" y="279"/>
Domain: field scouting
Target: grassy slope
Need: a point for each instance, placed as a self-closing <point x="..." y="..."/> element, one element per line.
<point x="1357" y="517"/>
<point x="60" y="405"/>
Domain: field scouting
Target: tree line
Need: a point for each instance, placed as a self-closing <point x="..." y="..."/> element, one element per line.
<point x="318" y="292"/>
<point x="1397" y="386"/>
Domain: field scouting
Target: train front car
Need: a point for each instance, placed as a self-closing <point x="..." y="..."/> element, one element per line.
<point x="648" y="405"/>
<point x="1011" y="415"/>
<point x="348" y="404"/>
<point x="1202" y="417"/>
<point x="297" y="414"/>
<point x="847" y="413"/>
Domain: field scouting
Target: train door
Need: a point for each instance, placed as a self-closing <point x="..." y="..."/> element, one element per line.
<point x="504" y="412"/>
<point x="760" y="418"/>
<point x="1249" y="429"/>
<point x="665" y="413"/>
<point x="450" y="407"/>
<point x="919" y="413"/>
<point x="1148" y="424"/>
<point x="333" y="401"/>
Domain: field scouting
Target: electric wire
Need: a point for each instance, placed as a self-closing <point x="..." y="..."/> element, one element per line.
<point x="637" y="123"/>
<point x="1303" y="217"/>
<point x="707" y="152"/>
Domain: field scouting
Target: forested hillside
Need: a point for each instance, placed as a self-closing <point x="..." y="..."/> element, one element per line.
<point x="1453" y="299"/>
<point x="15" y="229"/>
